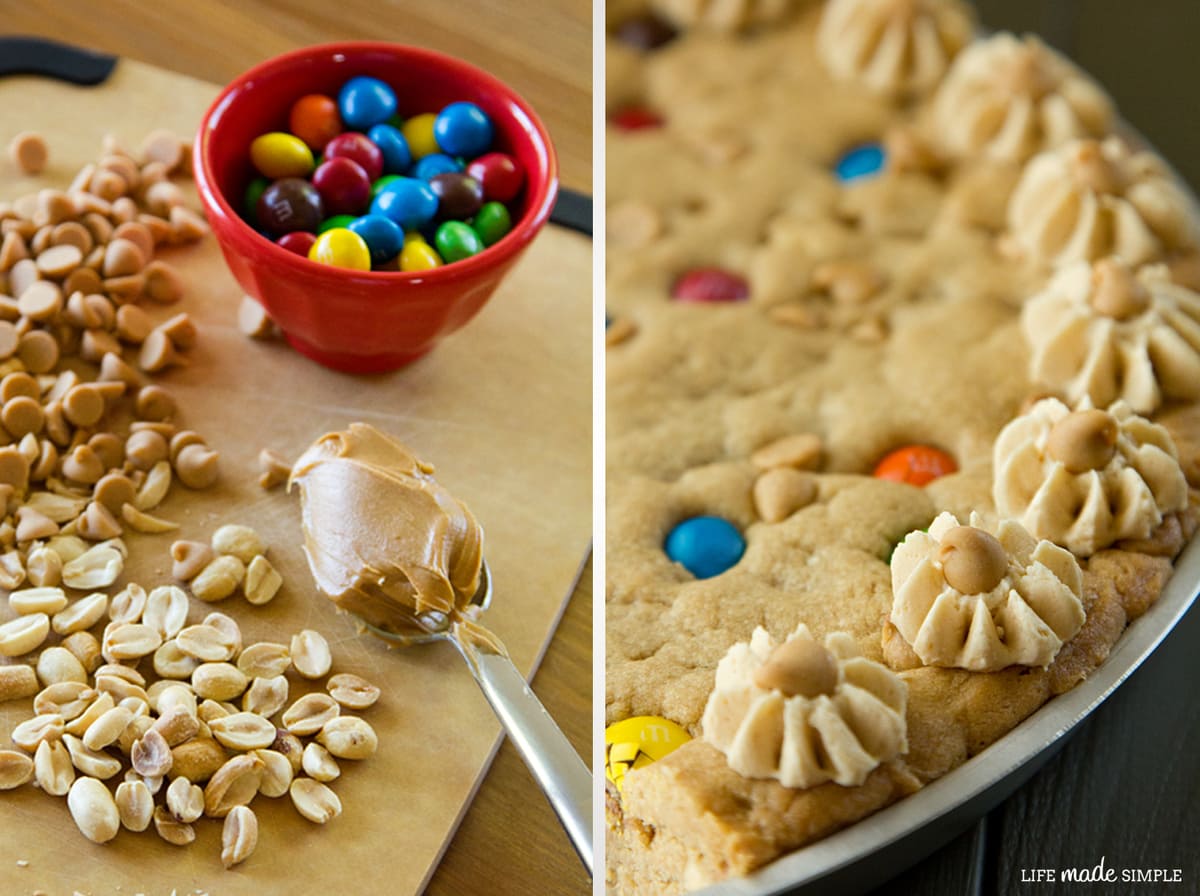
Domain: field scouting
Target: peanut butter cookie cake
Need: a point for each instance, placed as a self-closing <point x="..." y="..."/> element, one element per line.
<point x="903" y="382"/>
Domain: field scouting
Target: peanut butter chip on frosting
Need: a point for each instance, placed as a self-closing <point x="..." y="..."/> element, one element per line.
<point x="803" y="712"/>
<point x="798" y="667"/>
<point x="1105" y="332"/>
<point x="973" y="561"/>
<point x="969" y="599"/>
<point x="1082" y="441"/>
<point x="1087" y="479"/>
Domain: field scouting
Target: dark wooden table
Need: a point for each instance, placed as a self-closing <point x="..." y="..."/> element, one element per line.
<point x="1126" y="788"/>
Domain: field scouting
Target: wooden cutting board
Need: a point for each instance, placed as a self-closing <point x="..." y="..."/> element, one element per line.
<point x="503" y="410"/>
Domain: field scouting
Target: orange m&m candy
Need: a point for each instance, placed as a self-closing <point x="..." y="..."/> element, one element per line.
<point x="314" y="119"/>
<point x="916" y="465"/>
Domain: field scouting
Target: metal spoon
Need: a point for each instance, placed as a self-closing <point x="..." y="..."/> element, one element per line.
<point x="563" y="776"/>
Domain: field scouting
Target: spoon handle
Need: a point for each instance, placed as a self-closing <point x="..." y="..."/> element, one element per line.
<point x="563" y="776"/>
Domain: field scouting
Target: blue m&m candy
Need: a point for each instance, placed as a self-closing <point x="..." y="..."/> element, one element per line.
<point x="364" y="102"/>
<point x="383" y="237"/>
<point x="410" y="203"/>
<point x="431" y="166"/>
<point x="705" y="546"/>
<point x="396" y="154"/>
<point x="862" y="161"/>
<point x="463" y="129"/>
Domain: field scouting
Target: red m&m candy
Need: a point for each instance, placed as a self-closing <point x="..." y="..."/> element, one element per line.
<point x="344" y="187"/>
<point x="636" y="118"/>
<point x="500" y="175"/>
<point x="357" y="148"/>
<point x="916" y="465"/>
<point x="710" y="285"/>
<point x="298" y="241"/>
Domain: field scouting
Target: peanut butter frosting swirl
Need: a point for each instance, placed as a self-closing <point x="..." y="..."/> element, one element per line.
<point x="1088" y="199"/>
<point x="383" y="538"/>
<point x="970" y="599"/>
<point x="892" y="47"/>
<point x="1104" y="332"/>
<point x="804" y="713"/>
<point x="1088" y="478"/>
<point x="1006" y="98"/>
<point x="723" y="15"/>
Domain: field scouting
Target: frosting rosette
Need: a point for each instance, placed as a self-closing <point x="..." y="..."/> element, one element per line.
<point x="803" y="712"/>
<point x="1088" y="199"/>
<point x="723" y="15"/>
<point x="1087" y="478"/>
<point x="892" y="46"/>
<point x="970" y="599"/>
<point x="1103" y="332"/>
<point x="1006" y="98"/>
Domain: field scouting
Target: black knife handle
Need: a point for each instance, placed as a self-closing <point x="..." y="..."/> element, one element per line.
<point x="54" y="59"/>
<point x="573" y="210"/>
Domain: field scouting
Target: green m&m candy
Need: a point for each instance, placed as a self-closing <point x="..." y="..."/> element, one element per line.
<point x="456" y="241"/>
<point x="335" y="221"/>
<point x="383" y="182"/>
<point x="254" y="191"/>
<point x="492" y="222"/>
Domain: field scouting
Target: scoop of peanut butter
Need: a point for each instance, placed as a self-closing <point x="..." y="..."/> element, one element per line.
<point x="384" y="540"/>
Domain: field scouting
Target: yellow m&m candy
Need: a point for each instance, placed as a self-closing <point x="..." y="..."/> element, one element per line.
<point x="277" y="155"/>
<point x="341" y="248"/>
<point x="418" y="133"/>
<point x="638" y="741"/>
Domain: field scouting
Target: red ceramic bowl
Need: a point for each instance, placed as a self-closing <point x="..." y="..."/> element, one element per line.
<point x="364" y="321"/>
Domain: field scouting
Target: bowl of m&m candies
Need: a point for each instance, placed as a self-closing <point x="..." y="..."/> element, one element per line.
<point x="371" y="196"/>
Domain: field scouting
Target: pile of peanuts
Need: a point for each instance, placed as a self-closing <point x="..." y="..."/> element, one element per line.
<point x="75" y="347"/>
<point x="182" y="747"/>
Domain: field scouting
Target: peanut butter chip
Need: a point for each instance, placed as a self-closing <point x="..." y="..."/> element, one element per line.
<point x="163" y="284"/>
<point x="163" y="147"/>
<point x="157" y="352"/>
<point x="83" y="465"/>
<point x="23" y="275"/>
<point x="196" y="466"/>
<point x="1083" y="440"/>
<point x="38" y="351"/>
<point x="58" y="261"/>
<point x="29" y="152"/>
<point x="72" y="233"/>
<point x="12" y="250"/>
<point x="122" y="257"/>
<point x="83" y="405"/>
<point x="113" y="492"/>
<point x="144" y="449"/>
<point x="154" y="403"/>
<point x="273" y="469"/>
<point x="8" y="339"/>
<point x="781" y="491"/>
<point x="802" y="451"/>
<point x="22" y="415"/>
<point x="138" y="234"/>
<point x="133" y="324"/>
<point x="187" y="225"/>
<point x="1116" y="292"/>
<point x="798" y="668"/>
<point x="181" y="330"/>
<point x="113" y="369"/>
<point x="973" y="561"/>
<point x="18" y="383"/>
<point x="14" y="468"/>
